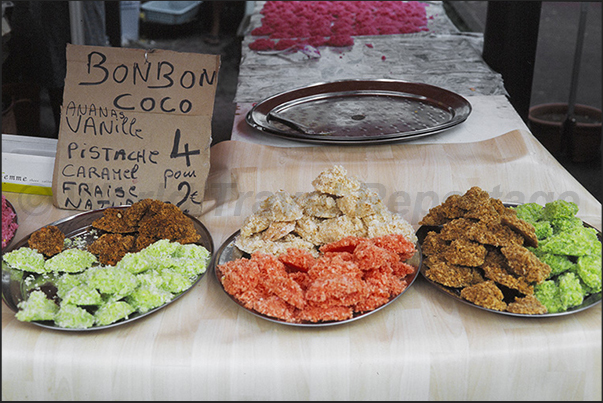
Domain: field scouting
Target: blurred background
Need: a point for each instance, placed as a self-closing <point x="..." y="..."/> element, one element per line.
<point x="34" y="35"/>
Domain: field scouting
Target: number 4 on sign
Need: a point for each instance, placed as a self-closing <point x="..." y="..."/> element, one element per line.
<point x="176" y="153"/>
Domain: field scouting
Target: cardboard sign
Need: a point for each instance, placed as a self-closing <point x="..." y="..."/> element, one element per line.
<point x="135" y="124"/>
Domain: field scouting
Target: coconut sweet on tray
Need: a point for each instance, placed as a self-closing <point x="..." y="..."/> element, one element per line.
<point x="506" y="259"/>
<point x="321" y="256"/>
<point x="339" y="206"/>
<point x="129" y="261"/>
<point x="9" y="222"/>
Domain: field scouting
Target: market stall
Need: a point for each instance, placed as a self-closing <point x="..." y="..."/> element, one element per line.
<point x="424" y="345"/>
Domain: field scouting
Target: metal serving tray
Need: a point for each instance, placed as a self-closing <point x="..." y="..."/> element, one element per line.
<point x="590" y="301"/>
<point x="15" y="289"/>
<point x="359" y="112"/>
<point x="229" y="252"/>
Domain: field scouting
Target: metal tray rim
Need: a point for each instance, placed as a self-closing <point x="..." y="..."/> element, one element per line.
<point x="257" y="116"/>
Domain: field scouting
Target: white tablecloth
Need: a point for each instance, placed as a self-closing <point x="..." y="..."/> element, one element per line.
<point x="490" y="117"/>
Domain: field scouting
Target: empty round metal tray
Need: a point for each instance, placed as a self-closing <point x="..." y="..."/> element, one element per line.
<point x="359" y="112"/>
